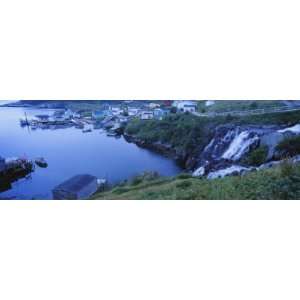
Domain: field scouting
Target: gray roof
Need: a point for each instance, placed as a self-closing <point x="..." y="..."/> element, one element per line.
<point x="76" y="183"/>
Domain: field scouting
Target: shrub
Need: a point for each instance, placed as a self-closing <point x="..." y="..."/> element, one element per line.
<point x="257" y="156"/>
<point x="184" y="184"/>
<point x="289" y="146"/>
<point x="120" y="190"/>
<point x="146" y="176"/>
<point x="286" y="168"/>
<point x="184" y="176"/>
<point x="253" y="105"/>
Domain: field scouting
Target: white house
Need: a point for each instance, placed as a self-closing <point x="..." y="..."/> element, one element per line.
<point x="153" y="105"/>
<point x="116" y="110"/>
<point x="209" y="102"/>
<point x="132" y="111"/>
<point x="147" y="115"/>
<point x="185" y="106"/>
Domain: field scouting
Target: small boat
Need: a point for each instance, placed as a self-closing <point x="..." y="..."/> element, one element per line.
<point x="110" y="133"/>
<point x="24" y="122"/>
<point x="41" y="162"/>
<point x="86" y="130"/>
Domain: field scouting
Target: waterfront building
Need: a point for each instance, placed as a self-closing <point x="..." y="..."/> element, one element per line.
<point x="77" y="187"/>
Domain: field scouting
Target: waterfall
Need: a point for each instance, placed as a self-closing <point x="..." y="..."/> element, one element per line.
<point x="199" y="172"/>
<point x="239" y="146"/>
<point x="295" y="129"/>
<point x="228" y="171"/>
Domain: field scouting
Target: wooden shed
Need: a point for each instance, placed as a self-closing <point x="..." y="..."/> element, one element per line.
<point x="77" y="187"/>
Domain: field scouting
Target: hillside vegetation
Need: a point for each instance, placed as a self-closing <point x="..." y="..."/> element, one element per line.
<point x="238" y="105"/>
<point x="188" y="132"/>
<point x="281" y="182"/>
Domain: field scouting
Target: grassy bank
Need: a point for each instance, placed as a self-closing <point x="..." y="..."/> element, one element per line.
<point x="281" y="182"/>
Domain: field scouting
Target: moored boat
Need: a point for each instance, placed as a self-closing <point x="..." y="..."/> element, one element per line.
<point x="41" y="162"/>
<point x="86" y="130"/>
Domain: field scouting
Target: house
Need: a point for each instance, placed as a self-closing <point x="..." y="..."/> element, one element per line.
<point x="68" y="114"/>
<point x="98" y="114"/>
<point x="147" y="115"/>
<point x="185" y="106"/>
<point x="167" y="103"/>
<point x="115" y="110"/>
<point x="75" y="188"/>
<point x="209" y="102"/>
<point x="153" y="105"/>
<point x="132" y="111"/>
<point x="42" y="117"/>
<point x="159" y="113"/>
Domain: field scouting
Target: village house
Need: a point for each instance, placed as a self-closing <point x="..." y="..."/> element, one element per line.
<point x="42" y="118"/>
<point x="132" y="111"/>
<point x="209" y="103"/>
<point x="159" y="113"/>
<point x="115" y="110"/>
<point x="98" y="114"/>
<point x="153" y="105"/>
<point x="185" y="106"/>
<point x="147" y="115"/>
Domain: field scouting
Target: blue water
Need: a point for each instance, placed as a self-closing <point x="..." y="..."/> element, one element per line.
<point x="70" y="152"/>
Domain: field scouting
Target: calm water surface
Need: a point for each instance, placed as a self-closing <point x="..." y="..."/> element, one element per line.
<point x="70" y="152"/>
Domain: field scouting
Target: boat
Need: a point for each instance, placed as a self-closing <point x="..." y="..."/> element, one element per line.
<point x="110" y="133"/>
<point x="24" y="122"/>
<point x="86" y="130"/>
<point x="41" y="162"/>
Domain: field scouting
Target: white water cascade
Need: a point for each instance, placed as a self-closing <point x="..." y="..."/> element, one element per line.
<point x="295" y="129"/>
<point x="228" y="171"/>
<point x="239" y="145"/>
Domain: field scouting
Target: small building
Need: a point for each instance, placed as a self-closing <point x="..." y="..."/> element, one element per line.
<point x="160" y="113"/>
<point x="98" y="114"/>
<point x="68" y="114"/>
<point x="42" y="118"/>
<point x="209" y="102"/>
<point x="153" y="105"/>
<point x="132" y="111"/>
<point x="75" y="188"/>
<point x="147" y="115"/>
<point x="115" y="110"/>
<point x="185" y="106"/>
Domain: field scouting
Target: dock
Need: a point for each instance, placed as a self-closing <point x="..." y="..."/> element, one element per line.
<point x="13" y="169"/>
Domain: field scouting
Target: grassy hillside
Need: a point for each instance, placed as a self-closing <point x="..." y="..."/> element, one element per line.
<point x="238" y="105"/>
<point x="187" y="132"/>
<point x="282" y="182"/>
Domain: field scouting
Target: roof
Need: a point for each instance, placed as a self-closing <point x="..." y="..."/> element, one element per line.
<point x="76" y="183"/>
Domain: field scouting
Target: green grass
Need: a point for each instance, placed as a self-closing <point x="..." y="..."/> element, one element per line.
<point x="282" y="182"/>
<point x="290" y="146"/>
<point x="256" y="157"/>
<point x="238" y="105"/>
